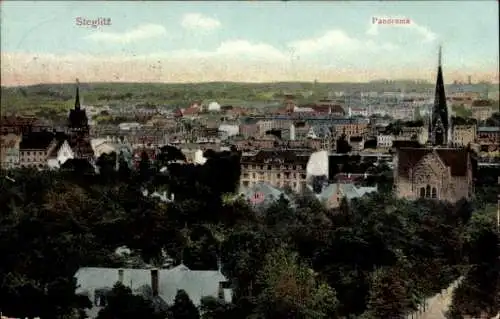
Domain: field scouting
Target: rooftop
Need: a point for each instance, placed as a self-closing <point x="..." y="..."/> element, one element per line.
<point x="36" y="141"/>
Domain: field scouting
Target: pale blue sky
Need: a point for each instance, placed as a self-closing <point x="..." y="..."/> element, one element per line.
<point x="320" y="34"/>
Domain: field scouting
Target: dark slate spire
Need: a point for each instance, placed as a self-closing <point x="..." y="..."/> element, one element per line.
<point x="439" y="124"/>
<point x="77" y="98"/>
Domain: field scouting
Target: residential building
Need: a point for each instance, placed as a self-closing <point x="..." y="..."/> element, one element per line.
<point x="9" y="150"/>
<point x="19" y="125"/>
<point x="35" y="148"/>
<point x="481" y="113"/>
<point x="228" y="130"/>
<point x="247" y="130"/>
<point x="331" y="196"/>
<point x="327" y="106"/>
<point x="385" y="140"/>
<point x="357" y="143"/>
<point x="463" y="135"/>
<point x="352" y="128"/>
<point x="264" y="126"/>
<point x="158" y="285"/>
<point x="357" y="111"/>
<point x="281" y="168"/>
<point x="261" y="194"/>
<point x="419" y="134"/>
<point x="401" y="112"/>
<point x="488" y="138"/>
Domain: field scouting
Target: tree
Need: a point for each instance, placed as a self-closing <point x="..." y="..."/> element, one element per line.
<point x="387" y="295"/>
<point x="183" y="307"/>
<point x="145" y="167"/>
<point x="107" y="164"/>
<point x="213" y="308"/>
<point x="122" y="304"/>
<point x="290" y="289"/>
<point x="124" y="171"/>
<point x="343" y="146"/>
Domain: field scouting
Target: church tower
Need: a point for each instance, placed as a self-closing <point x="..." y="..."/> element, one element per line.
<point x="77" y="120"/>
<point x="439" y="126"/>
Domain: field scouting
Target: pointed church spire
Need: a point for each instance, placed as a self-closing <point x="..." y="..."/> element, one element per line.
<point x="439" y="56"/>
<point x="439" y="125"/>
<point x="77" y="98"/>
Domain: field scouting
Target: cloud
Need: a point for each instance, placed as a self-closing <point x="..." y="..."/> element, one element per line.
<point x="197" y="21"/>
<point x="336" y="41"/>
<point x="234" y="50"/>
<point x="146" y="31"/>
<point x="424" y="32"/>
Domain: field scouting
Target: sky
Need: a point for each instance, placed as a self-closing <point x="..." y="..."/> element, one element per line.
<point x="247" y="41"/>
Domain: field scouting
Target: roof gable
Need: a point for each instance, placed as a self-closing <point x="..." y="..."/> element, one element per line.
<point x="455" y="159"/>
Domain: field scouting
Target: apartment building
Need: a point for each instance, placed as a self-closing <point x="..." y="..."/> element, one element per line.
<point x="463" y="135"/>
<point x="9" y="151"/>
<point x="34" y="149"/>
<point x="282" y="168"/>
<point x="488" y="138"/>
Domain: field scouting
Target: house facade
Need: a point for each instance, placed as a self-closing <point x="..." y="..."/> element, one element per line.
<point x="9" y="151"/>
<point x="158" y="285"/>
<point x="283" y="168"/>
<point x="463" y="135"/>
<point x="35" y="149"/>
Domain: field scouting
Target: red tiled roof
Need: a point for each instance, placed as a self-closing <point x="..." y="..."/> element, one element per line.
<point x="17" y="121"/>
<point x="482" y="103"/>
<point x="190" y="111"/>
<point x="456" y="159"/>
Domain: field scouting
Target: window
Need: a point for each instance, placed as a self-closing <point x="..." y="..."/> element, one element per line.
<point x="428" y="192"/>
<point x="278" y="175"/>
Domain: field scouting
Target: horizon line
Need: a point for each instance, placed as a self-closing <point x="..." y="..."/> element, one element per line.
<point x="380" y="81"/>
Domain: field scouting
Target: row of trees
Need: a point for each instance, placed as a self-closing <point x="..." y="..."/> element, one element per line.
<point x="376" y="257"/>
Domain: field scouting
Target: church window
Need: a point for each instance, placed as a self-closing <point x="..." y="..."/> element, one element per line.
<point x="428" y="191"/>
<point x="434" y="193"/>
<point x="422" y="192"/>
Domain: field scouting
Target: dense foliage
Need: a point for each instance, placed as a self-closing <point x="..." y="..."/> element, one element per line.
<point x="376" y="257"/>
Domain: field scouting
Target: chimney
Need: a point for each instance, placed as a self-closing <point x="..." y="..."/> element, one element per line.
<point x="154" y="281"/>
<point x="120" y="276"/>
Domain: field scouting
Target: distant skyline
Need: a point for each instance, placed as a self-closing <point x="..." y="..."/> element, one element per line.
<point x="251" y="41"/>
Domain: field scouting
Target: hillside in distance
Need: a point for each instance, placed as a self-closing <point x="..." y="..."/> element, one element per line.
<point x="56" y="98"/>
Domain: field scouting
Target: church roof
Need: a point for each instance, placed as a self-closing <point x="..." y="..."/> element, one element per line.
<point x="456" y="159"/>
